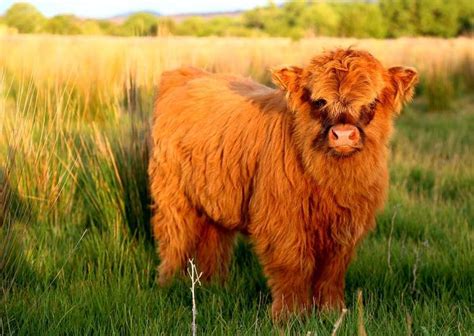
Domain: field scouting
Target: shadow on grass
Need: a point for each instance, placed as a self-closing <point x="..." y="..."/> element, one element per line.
<point x="14" y="210"/>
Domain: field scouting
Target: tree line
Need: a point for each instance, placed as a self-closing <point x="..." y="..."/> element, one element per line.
<point x="295" y="19"/>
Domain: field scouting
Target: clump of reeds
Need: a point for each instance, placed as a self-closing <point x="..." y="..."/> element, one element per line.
<point x="437" y="86"/>
<point x="464" y="73"/>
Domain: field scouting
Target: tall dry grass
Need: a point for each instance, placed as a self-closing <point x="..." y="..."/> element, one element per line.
<point x="99" y="70"/>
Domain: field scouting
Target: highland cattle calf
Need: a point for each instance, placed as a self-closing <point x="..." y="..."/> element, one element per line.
<point x="301" y="170"/>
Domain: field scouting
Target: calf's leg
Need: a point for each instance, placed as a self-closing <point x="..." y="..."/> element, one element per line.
<point x="329" y="279"/>
<point x="176" y="227"/>
<point x="289" y="276"/>
<point x="214" y="251"/>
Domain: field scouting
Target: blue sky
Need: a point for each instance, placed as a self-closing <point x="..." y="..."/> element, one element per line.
<point x="108" y="8"/>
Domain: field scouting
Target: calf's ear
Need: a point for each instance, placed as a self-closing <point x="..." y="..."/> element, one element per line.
<point x="287" y="78"/>
<point x="404" y="80"/>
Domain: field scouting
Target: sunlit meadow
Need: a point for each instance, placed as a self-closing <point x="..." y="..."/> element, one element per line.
<point x="76" y="255"/>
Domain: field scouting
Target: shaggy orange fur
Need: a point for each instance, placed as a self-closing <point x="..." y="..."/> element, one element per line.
<point x="231" y="155"/>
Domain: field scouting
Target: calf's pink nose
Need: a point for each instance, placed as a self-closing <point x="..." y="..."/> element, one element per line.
<point x="343" y="135"/>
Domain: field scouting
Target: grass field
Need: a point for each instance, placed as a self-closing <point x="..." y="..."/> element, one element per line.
<point x="76" y="256"/>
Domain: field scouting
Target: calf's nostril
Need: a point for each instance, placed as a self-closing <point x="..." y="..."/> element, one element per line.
<point x="334" y="134"/>
<point x="353" y="135"/>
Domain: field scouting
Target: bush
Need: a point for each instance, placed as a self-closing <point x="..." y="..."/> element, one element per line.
<point x="5" y="30"/>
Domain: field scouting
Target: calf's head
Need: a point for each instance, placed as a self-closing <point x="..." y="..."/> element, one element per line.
<point x="343" y="102"/>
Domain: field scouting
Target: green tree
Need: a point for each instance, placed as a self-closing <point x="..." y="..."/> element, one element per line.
<point x="322" y="19"/>
<point x="90" y="27"/>
<point x="267" y="19"/>
<point x="109" y="28"/>
<point x="466" y="17"/>
<point x="291" y="16"/>
<point x="427" y="17"/>
<point x="193" y="26"/>
<point x="400" y="16"/>
<point x="219" y="26"/>
<point x="361" y="20"/>
<point x="25" y="18"/>
<point x="140" y="24"/>
<point x="438" y="18"/>
<point x="278" y="21"/>
<point x="166" y="26"/>
<point x="63" y="25"/>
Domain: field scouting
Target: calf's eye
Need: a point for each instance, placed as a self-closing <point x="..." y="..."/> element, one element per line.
<point x="373" y="105"/>
<point x="368" y="113"/>
<point x="319" y="103"/>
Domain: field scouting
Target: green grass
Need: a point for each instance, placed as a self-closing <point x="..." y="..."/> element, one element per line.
<point x="76" y="255"/>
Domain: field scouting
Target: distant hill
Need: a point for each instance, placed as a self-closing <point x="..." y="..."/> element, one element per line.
<point x="127" y="14"/>
<point x="181" y="17"/>
<point x="178" y="17"/>
<point x="122" y="17"/>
